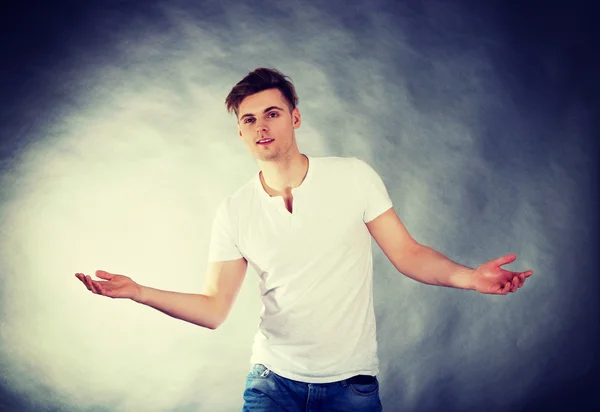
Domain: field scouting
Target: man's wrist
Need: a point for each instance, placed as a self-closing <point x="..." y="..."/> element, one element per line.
<point x="464" y="279"/>
<point x="139" y="295"/>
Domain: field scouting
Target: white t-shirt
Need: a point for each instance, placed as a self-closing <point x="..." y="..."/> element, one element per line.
<point x="315" y="265"/>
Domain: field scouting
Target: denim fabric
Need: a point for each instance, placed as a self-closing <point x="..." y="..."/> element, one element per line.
<point x="266" y="391"/>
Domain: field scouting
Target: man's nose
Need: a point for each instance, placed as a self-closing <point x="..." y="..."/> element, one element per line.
<point x="260" y="127"/>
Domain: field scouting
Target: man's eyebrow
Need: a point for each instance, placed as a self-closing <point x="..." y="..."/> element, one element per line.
<point x="268" y="109"/>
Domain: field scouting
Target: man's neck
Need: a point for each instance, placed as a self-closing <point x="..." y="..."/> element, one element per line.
<point x="281" y="177"/>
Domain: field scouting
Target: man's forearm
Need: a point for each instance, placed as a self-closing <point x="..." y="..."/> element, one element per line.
<point x="198" y="309"/>
<point x="429" y="266"/>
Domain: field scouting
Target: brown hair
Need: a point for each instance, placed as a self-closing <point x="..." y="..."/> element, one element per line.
<point x="257" y="81"/>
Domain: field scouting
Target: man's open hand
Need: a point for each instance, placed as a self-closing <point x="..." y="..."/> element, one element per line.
<point x="491" y="278"/>
<point x="114" y="286"/>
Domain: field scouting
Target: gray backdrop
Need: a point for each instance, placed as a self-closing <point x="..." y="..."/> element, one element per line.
<point x="116" y="149"/>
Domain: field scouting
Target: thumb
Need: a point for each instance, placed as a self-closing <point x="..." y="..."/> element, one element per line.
<point x="505" y="259"/>
<point x="102" y="274"/>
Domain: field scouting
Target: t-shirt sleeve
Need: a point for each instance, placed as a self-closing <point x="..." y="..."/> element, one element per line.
<point x="222" y="243"/>
<point x="372" y="190"/>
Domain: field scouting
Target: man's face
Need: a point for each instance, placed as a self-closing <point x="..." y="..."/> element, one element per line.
<point x="266" y="115"/>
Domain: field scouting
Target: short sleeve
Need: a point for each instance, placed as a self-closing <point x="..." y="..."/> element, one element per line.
<point x="372" y="190"/>
<point x="222" y="243"/>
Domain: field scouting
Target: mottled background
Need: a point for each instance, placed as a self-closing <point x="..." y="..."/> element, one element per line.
<point x="115" y="150"/>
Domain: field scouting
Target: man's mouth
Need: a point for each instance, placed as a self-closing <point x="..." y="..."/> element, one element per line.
<point x="264" y="141"/>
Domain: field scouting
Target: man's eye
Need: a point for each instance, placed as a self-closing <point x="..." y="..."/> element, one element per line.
<point x="275" y="113"/>
<point x="249" y="119"/>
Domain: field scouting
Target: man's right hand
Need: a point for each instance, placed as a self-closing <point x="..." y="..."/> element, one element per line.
<point x="114" y="286"/>
<point x="208" y="309"/>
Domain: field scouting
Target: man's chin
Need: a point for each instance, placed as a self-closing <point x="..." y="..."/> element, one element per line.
<point x="266" y="157"/>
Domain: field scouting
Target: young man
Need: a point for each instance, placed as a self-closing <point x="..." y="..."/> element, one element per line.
<point x="305" y="224"/>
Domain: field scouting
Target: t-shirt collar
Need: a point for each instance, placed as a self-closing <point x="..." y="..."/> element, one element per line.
<point x="307" y="179"/>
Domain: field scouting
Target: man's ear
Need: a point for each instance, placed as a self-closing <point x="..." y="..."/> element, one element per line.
<point x="296" y="118"/>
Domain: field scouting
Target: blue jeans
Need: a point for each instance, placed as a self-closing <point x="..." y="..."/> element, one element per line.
<point x="266" y="391"/>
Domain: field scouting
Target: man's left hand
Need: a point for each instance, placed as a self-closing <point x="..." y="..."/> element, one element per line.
<point x="492" y="279"/>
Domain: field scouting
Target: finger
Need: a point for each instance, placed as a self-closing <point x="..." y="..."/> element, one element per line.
<point x="524" y="275"/>
<point x="81" y="277"/>
<point x="102" y="274"/>
<point x="504" y="260"/>
<point x="515" y="284"/>
<point x="95" y="288"/>
<point x="90" y="283"/>
<point x="99" y="288"/>
<point x="508" y="275"/>
<point x="506" y="288"/>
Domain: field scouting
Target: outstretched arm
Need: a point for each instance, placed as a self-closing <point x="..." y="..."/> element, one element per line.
<point x="208" y="309"/>
<point x="426" y="265"/>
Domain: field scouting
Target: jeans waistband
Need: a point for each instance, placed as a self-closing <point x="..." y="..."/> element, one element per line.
<point x="361" y="379"/>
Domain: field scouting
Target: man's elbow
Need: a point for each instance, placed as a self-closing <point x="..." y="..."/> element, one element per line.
<point x="405" y="260"/>
<point x="219" y="317"/>
<point x="214" y="325"/>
